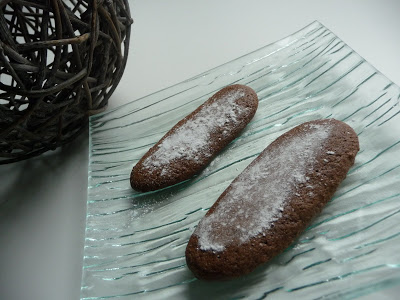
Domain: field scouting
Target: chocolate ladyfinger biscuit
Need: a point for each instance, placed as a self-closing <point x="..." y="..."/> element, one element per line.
<point x="273" y="200"/>
<point x="193" y="142"/>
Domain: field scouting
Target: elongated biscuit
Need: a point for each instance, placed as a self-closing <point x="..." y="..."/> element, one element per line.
<point x="193" y="142"/>
<point x="273" y="200"/>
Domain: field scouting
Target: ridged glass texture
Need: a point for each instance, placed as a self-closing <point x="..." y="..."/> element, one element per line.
<point x="135" y="242"/>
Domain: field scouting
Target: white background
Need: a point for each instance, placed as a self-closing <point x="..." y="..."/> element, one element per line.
<point x="43" y="200"/>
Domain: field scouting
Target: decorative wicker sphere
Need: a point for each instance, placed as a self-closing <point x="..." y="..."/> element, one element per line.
<point x="60" y="61"/>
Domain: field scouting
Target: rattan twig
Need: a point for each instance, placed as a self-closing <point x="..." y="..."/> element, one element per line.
<point x="60" y="61"/>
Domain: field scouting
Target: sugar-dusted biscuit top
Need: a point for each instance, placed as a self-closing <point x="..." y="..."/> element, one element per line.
<point x="273" y="200"/>
<point x="195" y="140"/>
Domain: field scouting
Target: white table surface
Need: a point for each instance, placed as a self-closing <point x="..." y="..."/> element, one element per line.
<point x="43" y="200"/>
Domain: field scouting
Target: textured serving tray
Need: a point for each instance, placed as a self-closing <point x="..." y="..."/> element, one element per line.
<point x="135" y="242"/>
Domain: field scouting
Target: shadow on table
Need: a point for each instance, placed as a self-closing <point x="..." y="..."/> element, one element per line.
<point x="22" y="181"/>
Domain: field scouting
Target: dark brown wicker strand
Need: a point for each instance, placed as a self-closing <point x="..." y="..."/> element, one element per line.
<point x="60" y="61"/>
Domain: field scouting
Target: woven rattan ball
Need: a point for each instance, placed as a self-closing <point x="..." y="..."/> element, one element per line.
<point x="59" y="63"/>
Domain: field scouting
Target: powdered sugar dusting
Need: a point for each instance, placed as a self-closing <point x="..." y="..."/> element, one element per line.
<point x="258" y="196"/>
<point x="193" y="137"/>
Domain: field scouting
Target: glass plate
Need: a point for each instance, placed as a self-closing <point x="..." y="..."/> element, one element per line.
<point x="135" y="242"/>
